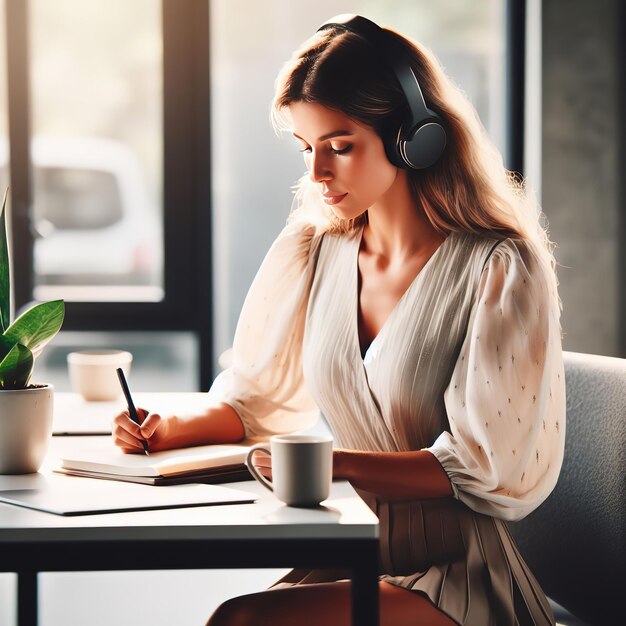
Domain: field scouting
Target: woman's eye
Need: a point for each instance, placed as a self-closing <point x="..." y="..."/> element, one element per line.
<point x="342" y="150"/>
<point x="308" y="149"/>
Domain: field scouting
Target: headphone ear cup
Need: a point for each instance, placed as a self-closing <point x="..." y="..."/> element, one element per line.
<point x="423" y="147"/>
<point x="392" y="142"/>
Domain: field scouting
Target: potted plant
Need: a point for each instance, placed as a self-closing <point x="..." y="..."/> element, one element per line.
<point x="25" y="408"/>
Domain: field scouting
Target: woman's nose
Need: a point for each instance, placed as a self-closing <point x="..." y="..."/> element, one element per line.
<point x="318" y="169"/>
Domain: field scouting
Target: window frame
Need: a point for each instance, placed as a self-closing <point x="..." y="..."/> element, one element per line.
<point x="621" y="190"/>
<point x="515" y="84"/>
<point x="187" y="302"/>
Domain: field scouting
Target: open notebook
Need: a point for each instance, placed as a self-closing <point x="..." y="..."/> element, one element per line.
<point x="212" y="463"/>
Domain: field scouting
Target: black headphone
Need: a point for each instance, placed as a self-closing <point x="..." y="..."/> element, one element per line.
<point x="420" y="141"/>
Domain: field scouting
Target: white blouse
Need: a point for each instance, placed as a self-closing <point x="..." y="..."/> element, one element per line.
<point x="506" y="398"/>
<point x="468" y="365"/>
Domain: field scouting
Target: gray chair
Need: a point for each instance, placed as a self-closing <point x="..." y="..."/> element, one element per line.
<point x="575" y="542"/>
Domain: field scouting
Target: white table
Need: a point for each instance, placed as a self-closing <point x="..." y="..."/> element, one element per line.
<point x="343" y="532"/>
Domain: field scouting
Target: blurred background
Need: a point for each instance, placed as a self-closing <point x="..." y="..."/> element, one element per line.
<point x="86" y="101"/>
<point x="147" y="183"/>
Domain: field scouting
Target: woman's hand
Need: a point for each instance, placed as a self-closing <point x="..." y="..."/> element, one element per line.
<point x="262" y="463"/>
<point x="218" y="424"/>
<point x="154" y="429"/>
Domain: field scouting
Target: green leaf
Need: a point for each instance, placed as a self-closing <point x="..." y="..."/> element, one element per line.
<point x="5" y="271"/>
<point x="16" y="368"/>
<point x="5" y="346"/>
<point x="37" y="326"/>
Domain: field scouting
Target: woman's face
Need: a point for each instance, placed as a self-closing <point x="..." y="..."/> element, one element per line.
<point x="346" y="159"/>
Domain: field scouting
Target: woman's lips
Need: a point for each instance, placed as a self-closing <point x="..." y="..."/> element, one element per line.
<point x="334" y="199"/>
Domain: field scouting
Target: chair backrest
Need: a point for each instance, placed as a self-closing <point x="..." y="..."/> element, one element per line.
<point x="575" y="542"/>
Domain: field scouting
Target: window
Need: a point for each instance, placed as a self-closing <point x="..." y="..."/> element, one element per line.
<point x="96" y="98"/>
<point x="107" y="106"/>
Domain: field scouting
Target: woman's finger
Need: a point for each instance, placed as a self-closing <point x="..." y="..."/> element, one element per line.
<point x="152" y="422"/>
<point x="142" y="414"/>
<point x="261" y="458"/>
<point x="122" y="420"/>
<point x="123" y="435"/>
<point x="262" y="461"/>
<point x="126" y="446"/>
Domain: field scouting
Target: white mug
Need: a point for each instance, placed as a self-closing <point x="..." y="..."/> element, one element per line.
<point x="302" y="468"/>
<point x="93" y="375"/>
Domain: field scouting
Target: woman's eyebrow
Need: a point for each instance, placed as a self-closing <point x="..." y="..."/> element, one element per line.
<point x="335" y="133"/>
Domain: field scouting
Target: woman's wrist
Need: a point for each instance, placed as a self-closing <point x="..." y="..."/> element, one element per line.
<point x="171" y="430"/>
<point x="340" y="464"/>
<point x="412" y="474"/>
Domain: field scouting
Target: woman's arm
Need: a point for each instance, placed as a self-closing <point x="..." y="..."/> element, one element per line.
<point x="218" y="424"/>
<point x="413" y="475"/>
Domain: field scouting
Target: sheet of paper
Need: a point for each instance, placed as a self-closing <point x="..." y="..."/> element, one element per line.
<point x="69" y="495"/>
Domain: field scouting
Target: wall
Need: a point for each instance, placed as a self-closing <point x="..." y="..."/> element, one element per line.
<point x="580" y="145"/>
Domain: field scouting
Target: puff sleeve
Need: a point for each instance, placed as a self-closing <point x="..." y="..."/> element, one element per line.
<point x="265" y="384"/>
<point x="506" y="398"/>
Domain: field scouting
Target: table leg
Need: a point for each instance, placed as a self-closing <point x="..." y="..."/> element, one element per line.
<point x="27" y="598"/>
<point x="365" y="601"/>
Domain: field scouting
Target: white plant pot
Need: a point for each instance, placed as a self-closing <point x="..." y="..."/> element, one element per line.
<point x="25" y="428"/>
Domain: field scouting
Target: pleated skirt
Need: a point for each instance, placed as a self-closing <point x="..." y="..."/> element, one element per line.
<point x="466" y="563"/>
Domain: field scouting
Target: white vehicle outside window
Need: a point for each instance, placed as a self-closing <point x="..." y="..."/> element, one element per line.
<point x="96" y="235"/>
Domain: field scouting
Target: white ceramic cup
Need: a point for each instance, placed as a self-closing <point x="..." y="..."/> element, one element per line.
<point x="302" y="468"/>
<point x="93" y="375"/>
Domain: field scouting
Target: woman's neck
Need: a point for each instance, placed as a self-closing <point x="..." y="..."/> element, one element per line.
<point x="398" y="229"/>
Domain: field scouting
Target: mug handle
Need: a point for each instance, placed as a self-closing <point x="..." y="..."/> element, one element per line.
<point x="266" y="483"/>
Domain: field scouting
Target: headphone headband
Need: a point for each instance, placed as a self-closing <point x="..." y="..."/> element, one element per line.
<point x="409" y="150"/>
<point x="394" y="57"/>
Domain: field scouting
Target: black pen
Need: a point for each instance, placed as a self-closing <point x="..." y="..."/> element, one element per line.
<point x="131" y="405"/>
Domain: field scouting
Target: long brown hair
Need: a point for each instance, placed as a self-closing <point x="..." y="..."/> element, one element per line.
<point x="468" y="189"/>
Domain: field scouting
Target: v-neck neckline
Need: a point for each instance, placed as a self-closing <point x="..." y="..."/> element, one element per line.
<point x="357" y="304"/>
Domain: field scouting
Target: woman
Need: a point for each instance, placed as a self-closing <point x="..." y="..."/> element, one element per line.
<point x="415" y="305"/>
